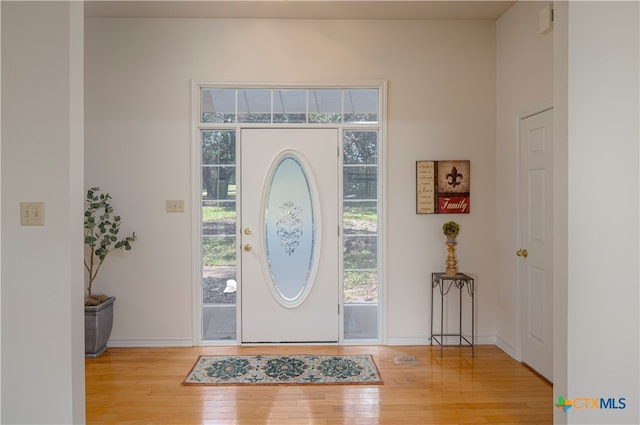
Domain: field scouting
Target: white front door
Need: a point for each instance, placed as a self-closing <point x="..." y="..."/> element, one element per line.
<point x="290" y="243"/>
<point x="535" y="253"/>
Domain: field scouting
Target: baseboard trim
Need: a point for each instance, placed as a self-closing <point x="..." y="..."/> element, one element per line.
<point x="185" y="342"/>
<point x="150" y="343"/>
<point x="506" y="348"/>
<point x="483" y="340"/>
<point x="408" y="341"/>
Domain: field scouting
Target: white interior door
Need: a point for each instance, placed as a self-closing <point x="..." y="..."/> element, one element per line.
<point x="289" y="283"/>
<point x="536" y="246"/>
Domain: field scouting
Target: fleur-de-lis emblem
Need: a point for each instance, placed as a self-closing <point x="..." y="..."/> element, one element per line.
<point x="454" y="178"/>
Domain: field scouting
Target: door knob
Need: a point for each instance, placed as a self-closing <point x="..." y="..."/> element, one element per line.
<point x="247" y="247"/>
<point x="522" y="253"/>
<point x="247" y="230"/>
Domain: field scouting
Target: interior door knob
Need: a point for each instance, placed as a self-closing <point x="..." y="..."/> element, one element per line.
<point x="247" y="230"/>
<point x="247" y="247"/>
<point x="522" y="253"/>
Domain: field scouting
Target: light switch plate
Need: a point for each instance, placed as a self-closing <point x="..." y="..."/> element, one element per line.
<point x="545" y="21"/>
<point x="32" y="213"/>
<point x="176" y="205"/>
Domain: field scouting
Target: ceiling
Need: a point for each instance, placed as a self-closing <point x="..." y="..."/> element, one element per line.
<point x="300" y="9"/>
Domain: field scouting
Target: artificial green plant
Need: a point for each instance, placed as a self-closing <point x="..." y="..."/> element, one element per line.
<point x="101" y="236"/>
<point x="451" y="229"/>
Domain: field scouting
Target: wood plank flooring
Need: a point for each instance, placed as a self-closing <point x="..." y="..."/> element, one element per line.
<point x="143" y="386"/>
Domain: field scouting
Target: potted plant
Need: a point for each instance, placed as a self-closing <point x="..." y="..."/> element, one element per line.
<point x="101" y="237"/>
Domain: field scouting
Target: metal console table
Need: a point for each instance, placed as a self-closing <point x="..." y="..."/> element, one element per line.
<point x="444" y="284"/>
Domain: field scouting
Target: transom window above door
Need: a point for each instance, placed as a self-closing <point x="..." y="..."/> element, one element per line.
<point x="289" y="106"/>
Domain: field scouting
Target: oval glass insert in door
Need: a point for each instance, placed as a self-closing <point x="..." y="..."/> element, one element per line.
<point x="290" y="234"/>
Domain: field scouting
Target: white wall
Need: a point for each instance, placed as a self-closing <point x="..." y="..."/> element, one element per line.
<point x="0" y="217"/>
<point x="560" y="205"/>
<point x="441" y="106"/>
<point x="595" y="98"/>
<point x="42" y="289"/>
<point x="524" y="78"/>
<point x="603" y="198"/>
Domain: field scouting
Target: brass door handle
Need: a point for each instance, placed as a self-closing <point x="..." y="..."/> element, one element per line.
<point x="247" y="230"/>
<point x="247" y="247"/>
<point x="522" y="253"/>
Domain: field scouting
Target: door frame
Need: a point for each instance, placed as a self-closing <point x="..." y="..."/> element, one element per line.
<point x="519" y="237"/>
<point x="195" y="201"/>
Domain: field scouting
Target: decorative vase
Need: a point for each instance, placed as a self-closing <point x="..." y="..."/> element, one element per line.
<point x="98" y="321"/>
<point x="452" y="263"/>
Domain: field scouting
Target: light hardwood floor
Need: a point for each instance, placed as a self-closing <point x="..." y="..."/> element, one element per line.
<point x="143" y="386"/>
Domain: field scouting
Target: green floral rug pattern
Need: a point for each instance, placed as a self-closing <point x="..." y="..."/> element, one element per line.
<point x="290" y="369"/>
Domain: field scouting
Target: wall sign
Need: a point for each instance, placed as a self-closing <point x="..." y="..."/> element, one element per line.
<point x="443" y="187"/>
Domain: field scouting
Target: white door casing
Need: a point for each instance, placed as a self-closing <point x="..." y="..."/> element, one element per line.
<point x="289" y="235"/>
<point x="535" y="250"/>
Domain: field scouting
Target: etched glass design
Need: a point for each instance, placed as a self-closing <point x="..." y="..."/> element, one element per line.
<point x="290" y="229"/>
<point x="289" y="226"/>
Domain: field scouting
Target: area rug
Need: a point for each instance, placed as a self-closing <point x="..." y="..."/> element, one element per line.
<point x="289" y="369"/>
